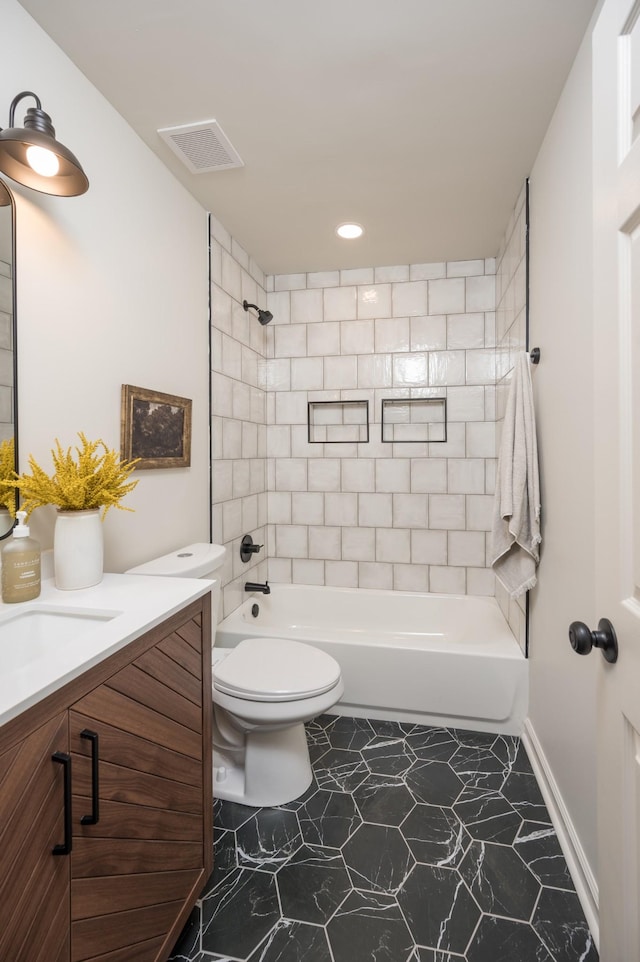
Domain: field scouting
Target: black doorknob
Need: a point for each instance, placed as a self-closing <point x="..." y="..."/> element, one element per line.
<point x="583" y="639"/>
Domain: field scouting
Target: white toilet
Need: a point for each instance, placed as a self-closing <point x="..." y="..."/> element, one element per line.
<point x="264" y="690"/>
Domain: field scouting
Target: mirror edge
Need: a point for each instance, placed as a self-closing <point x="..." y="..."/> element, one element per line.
<point x="14" y="337"/>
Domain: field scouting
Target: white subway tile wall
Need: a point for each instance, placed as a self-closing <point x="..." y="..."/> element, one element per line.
<point x="510" y="339"/>
<point x="239" y="412"/>
<point x="409" y="516"/>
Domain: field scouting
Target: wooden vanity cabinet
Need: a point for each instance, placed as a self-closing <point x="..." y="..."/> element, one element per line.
<point x="34" y="884"/>
<point x="134" y="874"/>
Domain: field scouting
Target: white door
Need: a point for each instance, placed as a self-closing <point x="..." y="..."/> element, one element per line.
<point x="616" y="139"/>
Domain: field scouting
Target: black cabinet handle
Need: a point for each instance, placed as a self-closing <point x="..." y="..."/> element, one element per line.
<point x="94" y="818"/>
<point x="65" y="760"/>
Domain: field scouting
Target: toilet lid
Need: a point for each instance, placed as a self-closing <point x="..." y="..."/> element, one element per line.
<point x="274" y="669"/>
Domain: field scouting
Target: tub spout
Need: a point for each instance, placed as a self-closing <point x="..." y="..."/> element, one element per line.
<point x="254" y="586"/>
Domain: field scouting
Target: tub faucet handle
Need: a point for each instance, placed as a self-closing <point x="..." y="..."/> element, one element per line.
<point x="247" y="548"/>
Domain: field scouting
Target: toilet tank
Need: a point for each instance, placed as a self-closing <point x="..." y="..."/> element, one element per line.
<point x="200" y="560"/>
<point x="193" y="561"/>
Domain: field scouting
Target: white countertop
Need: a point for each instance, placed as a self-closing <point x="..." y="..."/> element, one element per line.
<point x="120" y="609"/>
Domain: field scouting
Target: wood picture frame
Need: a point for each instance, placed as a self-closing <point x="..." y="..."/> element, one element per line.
<point x="155" y="427"/>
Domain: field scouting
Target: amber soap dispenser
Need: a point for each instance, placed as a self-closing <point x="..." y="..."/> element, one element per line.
<point x="20" y="564"/>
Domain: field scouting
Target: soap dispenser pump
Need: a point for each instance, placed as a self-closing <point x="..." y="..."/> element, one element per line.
<point x="20" y="564"/>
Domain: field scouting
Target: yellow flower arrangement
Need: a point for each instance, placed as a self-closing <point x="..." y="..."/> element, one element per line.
<point x="7" y="474"/>
<point x="90" y="476"/>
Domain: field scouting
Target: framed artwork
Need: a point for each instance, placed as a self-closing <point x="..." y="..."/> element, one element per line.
<point x="155" y="427"/>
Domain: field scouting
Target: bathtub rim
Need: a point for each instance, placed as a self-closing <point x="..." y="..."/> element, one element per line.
<point x="505" y="646"/>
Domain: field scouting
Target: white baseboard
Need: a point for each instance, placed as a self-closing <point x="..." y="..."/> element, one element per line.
<point x="583" y="877"/>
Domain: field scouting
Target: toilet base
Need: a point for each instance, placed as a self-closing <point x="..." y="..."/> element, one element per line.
<point x="276" y="769"/>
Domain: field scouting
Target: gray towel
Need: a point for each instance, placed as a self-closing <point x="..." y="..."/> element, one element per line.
<point x="516" y="513"/>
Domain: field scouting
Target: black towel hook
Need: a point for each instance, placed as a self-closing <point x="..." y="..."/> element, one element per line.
<point x="534" y="354"/>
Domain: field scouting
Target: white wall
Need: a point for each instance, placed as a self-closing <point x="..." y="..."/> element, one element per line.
<point x="112" y="289"/>
<point x="563" y="686"/>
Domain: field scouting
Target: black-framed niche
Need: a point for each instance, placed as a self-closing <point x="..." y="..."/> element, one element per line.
<point x="338" y="422"/>
<point x="411" y="420"/>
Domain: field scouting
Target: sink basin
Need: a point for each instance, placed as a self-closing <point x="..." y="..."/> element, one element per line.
<point x="30" y="635"/>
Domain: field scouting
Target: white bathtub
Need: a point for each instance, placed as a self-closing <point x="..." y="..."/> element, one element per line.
<point x="432" y="659"/>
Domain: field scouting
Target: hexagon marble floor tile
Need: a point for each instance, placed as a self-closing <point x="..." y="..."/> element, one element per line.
<point x="413" y="844"/>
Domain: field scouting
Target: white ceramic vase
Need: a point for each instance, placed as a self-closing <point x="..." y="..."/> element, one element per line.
<point x="78" y="549"/>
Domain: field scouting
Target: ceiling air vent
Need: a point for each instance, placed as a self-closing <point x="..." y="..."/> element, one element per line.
<point x="202" y="147"/>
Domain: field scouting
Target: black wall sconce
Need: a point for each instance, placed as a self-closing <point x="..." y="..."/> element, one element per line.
<point x="32" y="156"/>
<point x="263" y="316"/>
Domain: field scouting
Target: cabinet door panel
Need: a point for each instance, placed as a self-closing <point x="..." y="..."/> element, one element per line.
<point x="137" y="788"/>
<point x="94" y="937"/>
<point x="93" y="897"/>
<point x="130" y="751"/>
<point x="148" y="691"/>
<point x="108" y="856"/>
<point x="137" y="871"/>
<point x="25" y="887"/>
<point x="105" y="704"/>
<point x="29" y="775"/>
<point x="7" y="761"/>
<point x="191" y="632"/>
<point x="183" y="654"/>
<point x="146" y="951"/>
<point x="34" y="885"/>
<point x="159" y="665"/>
<point x="54" y="945"/>
<point x="120" y="820"/>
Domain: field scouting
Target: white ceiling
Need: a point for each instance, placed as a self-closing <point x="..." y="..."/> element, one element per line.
<point x="419" y="119"/>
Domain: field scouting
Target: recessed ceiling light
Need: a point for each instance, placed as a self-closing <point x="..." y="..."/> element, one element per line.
<point x="349" y="231"/>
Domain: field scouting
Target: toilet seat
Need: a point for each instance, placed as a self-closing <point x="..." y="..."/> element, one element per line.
<point x="275" y="670"/>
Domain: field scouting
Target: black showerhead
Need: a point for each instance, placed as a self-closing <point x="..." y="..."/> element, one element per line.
<point x="263" y="316"/>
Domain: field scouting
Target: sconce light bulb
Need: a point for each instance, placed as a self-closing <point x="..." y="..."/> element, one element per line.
<point x="43" y="161"/>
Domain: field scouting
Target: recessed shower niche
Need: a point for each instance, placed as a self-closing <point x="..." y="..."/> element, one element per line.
<point x="414" y="419"/>
<point x="338" y="422"/>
